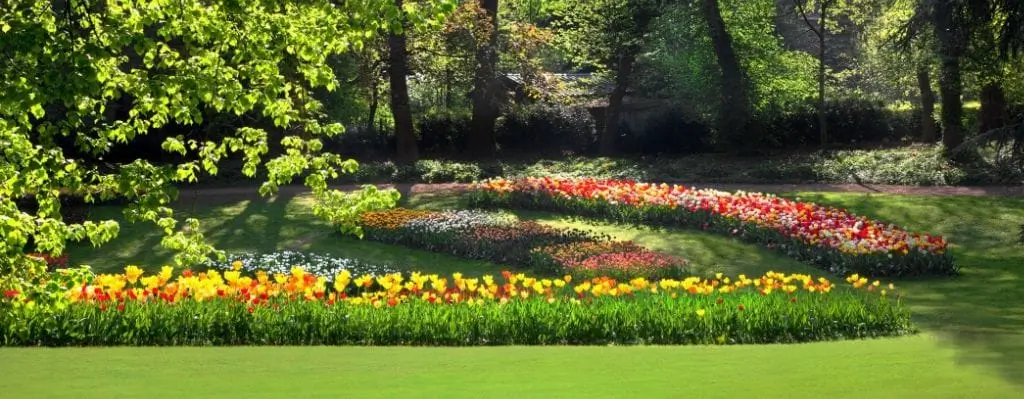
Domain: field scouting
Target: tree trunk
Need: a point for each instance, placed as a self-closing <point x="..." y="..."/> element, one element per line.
<point x="614" y="113"/>
<point x="734" y="114"/>
<point x="398" y="70"/>
<point x="993" y="107"/>
<point x="480" y="142"/>
<point x="822" y="120"/>
<point x="924" y="84"/>
<point x="374" y="103"/>
<point x="950" y="81"/>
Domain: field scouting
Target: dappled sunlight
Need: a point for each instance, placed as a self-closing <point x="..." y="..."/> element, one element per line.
<point x="401" y="258"/>
<point x="978" y="315"/>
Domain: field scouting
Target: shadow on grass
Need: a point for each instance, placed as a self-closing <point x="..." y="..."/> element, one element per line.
<point x="401" y="258"/>
<point x="980" y="312"/>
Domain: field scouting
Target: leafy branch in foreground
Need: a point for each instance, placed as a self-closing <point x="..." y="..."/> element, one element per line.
<point x="81" y="77"/>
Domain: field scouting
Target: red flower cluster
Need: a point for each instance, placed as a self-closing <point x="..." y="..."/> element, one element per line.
<point x="639" y="263"/>
<point x="819" y="225"/>
<point x="828" y="236"/>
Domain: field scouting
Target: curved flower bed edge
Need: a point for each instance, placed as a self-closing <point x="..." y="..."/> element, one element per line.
<point x="526" y="195"/>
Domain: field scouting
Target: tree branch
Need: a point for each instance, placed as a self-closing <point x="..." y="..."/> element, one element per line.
<point x="803" y="13"/>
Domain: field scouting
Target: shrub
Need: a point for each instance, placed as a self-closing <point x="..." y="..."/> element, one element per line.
<point x="850" y="120"/>
<point x="672" y="132"/>
<point x="299" y="309"/>
<point x="433" y="171"/>
<point x="547" y="129"/>
<point x="442" y="133"/>
<point x="830" y="238"/>
<point x="361" y="142"/>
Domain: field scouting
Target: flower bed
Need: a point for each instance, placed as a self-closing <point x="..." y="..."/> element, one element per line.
<point x="830" y="238"/>
<point x="319" y="265"/>
<point x="497" y="238"/>
<point x="616" y="259"/>
<point x="297" y="308"/>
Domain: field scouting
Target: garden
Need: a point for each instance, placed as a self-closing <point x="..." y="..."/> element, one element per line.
<point x="529" y="198"/>
<point x="567" y="262"/>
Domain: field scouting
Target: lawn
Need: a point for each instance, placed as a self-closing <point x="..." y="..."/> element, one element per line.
<point x="972" y="346"/>
<point x="908" y="367"/>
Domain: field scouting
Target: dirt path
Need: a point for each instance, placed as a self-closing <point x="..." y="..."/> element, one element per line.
<point x="241" y="193"/>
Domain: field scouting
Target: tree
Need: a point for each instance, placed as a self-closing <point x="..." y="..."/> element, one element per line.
<point x="174" y="63"/>
<point x="956" y="25"/>
<point x="735" y="112"/>
<point x="819" y="30"/>
<point x="480" y="142"/>
<point x="608" y="35"/>
<point x="398" y="70"/>
<point x="924" y="84"/>
<point x="885" y="52"/>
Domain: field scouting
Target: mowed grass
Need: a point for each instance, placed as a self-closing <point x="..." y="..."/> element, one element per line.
<point x="972" y="346"/>
<point x="913" y="367"/>
<point x="239" y="224"/>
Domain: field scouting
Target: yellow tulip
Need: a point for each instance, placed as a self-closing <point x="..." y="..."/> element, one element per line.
<point x="232" y="276"/>
<point x="132" y="273"/>
<point x="165" y="274"/>
<point x="700" y="312"/>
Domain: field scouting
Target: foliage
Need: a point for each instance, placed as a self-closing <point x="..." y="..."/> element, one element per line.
<point x="547" y="129"/>
<point x="672" y="132"/>
<point x="442" y="132"/>
<point x="299" y="309"/>
<point x="683" y="58"/>
<point x="829" y="238"/>
<point x="850" y="121"/>
<point x="596" y="33"/>
<point x="912" y="165"/>
<point x="163" y="64"/>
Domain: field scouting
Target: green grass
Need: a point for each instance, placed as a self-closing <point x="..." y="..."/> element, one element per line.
<point x="256" y="225"/>
<point x="919" y="366"/>
<point x="973" y="344"/>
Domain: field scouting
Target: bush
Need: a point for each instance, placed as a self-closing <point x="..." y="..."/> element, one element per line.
<point x="829" y="238"/>
<point x="672" y="133"/>
<point x="547" y="129"/>
<point x="850" y="121"/>
<point x="916" y="165"/>
<point x="361" y="142"/>
<point x="442" y="133"/>
<point x="300" y="309"/>
<point x="433" y="171"/>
